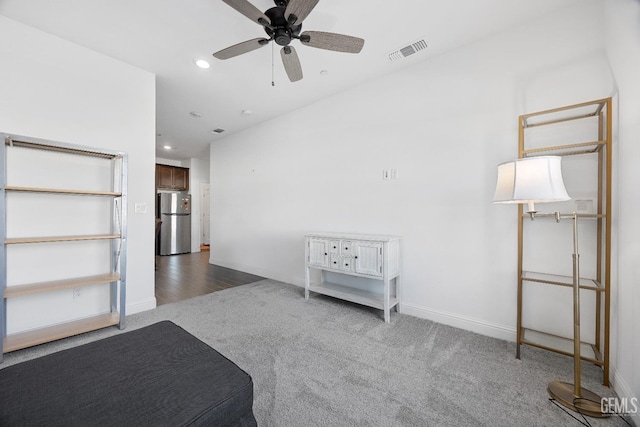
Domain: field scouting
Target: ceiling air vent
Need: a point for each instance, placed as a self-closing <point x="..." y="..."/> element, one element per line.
<point x="217" y="130"/>
<point x="408" y="50"/>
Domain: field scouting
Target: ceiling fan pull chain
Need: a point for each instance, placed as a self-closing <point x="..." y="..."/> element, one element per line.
<point x="272" y="66"/>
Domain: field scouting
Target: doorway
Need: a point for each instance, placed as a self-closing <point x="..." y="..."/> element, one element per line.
<point x="205" y="217"/>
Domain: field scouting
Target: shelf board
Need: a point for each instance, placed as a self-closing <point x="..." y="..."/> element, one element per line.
<point x="64" y="330"/>
<point x="63" y="148"/>
<point x="34" y="288"/>
<point x="63" y="191"/>
<point x="347" y="293"/>
<point x="15" y="240"/>
<point x="328" y="269"/>
<point x="561" y="345"/>
<point x="565" y="215"/>
<point x="557" y="279"/>
<point x="563" y="114"/>
<point x="568" y="149"/>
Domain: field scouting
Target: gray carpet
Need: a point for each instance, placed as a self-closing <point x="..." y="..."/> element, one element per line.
<point x="325" y="362"/>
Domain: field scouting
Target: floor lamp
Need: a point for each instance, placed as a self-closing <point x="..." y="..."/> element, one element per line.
<point x="539" y="180"/>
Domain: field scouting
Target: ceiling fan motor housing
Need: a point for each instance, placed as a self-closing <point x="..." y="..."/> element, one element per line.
<point x="280" y="30"/>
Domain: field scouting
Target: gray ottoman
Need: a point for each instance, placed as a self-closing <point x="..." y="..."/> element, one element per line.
<point x="159" y="375"/>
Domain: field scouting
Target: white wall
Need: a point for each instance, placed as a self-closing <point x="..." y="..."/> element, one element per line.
<point x="55" y="90"/>
<point x="444" y="124"/>
<point x="622" y="41"/>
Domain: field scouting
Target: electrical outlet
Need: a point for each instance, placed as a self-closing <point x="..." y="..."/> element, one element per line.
<point x="394" y="173"/>
<point x="77" y="292"/>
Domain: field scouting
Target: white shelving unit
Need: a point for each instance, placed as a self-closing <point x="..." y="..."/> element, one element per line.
<point x="114" y="268"/>
<point x="375" y="257"/>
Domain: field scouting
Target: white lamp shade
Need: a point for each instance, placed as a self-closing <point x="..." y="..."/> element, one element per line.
<point x="531" y="180"/>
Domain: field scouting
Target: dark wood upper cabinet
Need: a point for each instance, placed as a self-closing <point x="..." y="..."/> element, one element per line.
<point x="172" y="178"/>
<point x="181" y="178"/>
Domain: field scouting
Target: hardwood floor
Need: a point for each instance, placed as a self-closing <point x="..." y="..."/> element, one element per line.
<point x="179" y="277"/>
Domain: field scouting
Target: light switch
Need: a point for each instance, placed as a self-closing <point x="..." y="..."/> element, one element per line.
<point x="140" y="208"/>
<point x="394" y="173"/>
<point x="584" y="205"/>
<point x="385" y="174"/>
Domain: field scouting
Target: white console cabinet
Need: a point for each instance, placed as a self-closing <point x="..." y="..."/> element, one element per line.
<point x="375" y="257"/>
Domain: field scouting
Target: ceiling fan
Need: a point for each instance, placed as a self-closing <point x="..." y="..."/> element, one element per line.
<point x="283" y="24"/>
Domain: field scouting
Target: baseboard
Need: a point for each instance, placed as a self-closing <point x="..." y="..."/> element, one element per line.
<point x="139" y="307"/>
<point x="623" y="390"/>
<point x="463" y="322"/>
<point x="451" y="319"/>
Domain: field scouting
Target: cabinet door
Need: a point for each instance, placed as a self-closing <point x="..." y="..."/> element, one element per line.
<point x="319" y="252"/>
<point x="164" y="176"/>
<point x="181" y="178"/>
<point x="368" y="258"/>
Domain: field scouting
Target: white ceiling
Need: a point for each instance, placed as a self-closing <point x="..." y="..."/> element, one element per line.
<point x="164" y="36"/>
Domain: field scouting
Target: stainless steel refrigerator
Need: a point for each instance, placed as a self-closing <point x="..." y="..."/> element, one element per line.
<point x="174" y="211"/>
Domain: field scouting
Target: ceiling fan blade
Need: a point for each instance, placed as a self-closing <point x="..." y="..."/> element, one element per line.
<point x="298" y="10"/>
<point x="332" y="41"/>
<point x="291" y="63"/>
<point x="240" y="48"/>
<point x="250" y="11"/>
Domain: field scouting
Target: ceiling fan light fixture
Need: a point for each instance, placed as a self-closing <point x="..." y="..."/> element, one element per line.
<point x="282" y="36"/>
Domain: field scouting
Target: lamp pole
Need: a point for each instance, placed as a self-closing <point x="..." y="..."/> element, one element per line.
<point x="576" y="310"/>
<point x="573" y="396"/>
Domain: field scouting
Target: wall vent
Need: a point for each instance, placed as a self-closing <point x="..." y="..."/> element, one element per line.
<point x="408" y="50"/>
<point x="217" y="130"/>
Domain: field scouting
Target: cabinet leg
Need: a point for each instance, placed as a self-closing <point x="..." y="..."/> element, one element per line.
<point x="387" y="316"/>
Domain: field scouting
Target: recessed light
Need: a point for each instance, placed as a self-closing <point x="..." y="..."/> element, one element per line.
<point x="247" y="112"/>
<point x="217" y="131"/>
<point x="195" y="114"/>
<point x="201" y="63"/>
<point x="324" y="73"/>
<point x="167" y="147"/>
